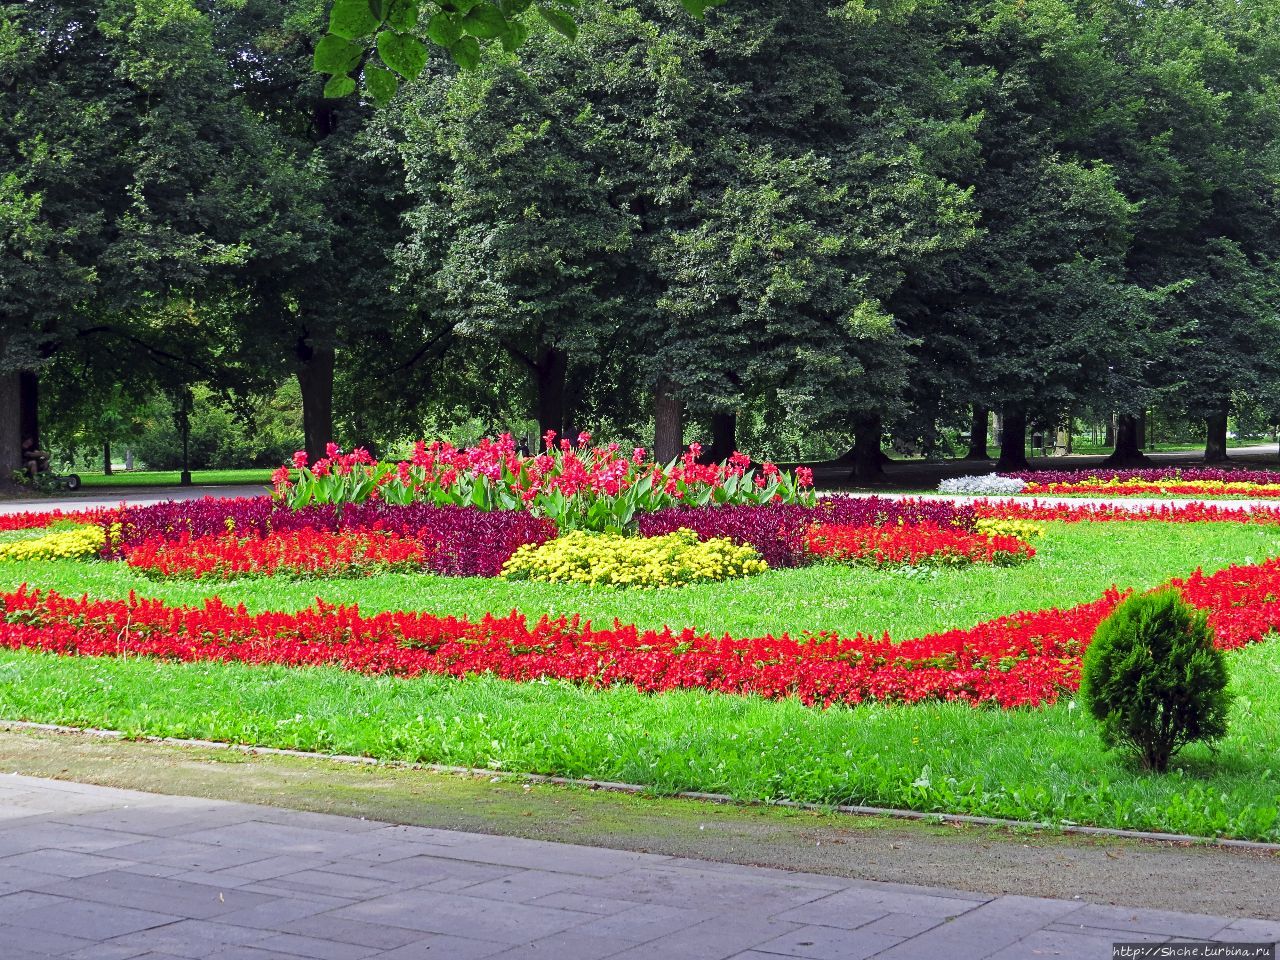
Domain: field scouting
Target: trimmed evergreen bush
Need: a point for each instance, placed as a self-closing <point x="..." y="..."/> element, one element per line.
<point x="1154" y="679"/>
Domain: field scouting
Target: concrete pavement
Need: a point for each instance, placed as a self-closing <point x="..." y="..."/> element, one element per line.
<point x="94" y="873"/>
<point x="90" y="497"/>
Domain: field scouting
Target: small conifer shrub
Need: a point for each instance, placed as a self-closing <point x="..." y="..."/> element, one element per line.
<point x="1154" y="679"/>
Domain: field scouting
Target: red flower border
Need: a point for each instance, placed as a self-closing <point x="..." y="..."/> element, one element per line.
<point x="1025" y="659"/>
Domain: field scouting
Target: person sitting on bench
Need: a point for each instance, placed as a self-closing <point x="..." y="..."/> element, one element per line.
<point x="34" y="460"/>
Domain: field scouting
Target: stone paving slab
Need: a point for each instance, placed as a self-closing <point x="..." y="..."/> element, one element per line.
<point x="94" y="873"/>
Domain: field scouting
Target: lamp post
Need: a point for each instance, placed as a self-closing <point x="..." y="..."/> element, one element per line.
<point x="182" y="420"/>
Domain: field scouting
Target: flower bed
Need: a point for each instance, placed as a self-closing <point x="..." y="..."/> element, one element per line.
<point x="131" y="526"/>
<point x="576" y="486"/>
<point x="1026" y="530"/>
<point x="459" y="541"/>
<point x="1158" y="488"/>
<point x="1038" y="511"/>
<point x="1149" y="475"/>
<point x="1025" y="659"/>
<point x="75" y="542"/>
<point x="602" y="559"/>
<point x="922" y="544"/>
<point x="1159" y="482"/>
<point x="777" y="531"/>
<point x="35" y="519"/>
<point x="296" y="553"/>
<point x="984" y="485"/>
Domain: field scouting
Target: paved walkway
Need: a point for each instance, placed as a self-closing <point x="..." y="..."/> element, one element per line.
<point x="88" y="497"/>
<point x="94" y="873"/>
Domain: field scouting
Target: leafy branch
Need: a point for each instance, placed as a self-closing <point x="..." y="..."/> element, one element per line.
<point x="395" y="30"/>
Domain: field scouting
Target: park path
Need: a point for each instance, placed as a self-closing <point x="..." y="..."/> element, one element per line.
<point x="96" y="873"/>
<point x="92" y="873"/>
<point x="89" y="497"/>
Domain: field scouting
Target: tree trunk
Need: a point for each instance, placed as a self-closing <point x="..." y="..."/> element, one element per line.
<point x="1128" y="452"/>
<point x="1215" y="444"/>
<point x="978" y="434"/>
<point x="668" y="422"/>
<point x="1109" y="438"/>
<point x="1013" y="441"/>
<point x="10" y="425"/>
<point x="315" y="381"/>
<point x="724" y="438"/>
<point x="575" y="388"/>
<point x="868" y="459"/>
<point x="1142" y="430"/>
<point x="549" y="372"/>
<point x="29" y="390"/>
<point x="106" y="458"/>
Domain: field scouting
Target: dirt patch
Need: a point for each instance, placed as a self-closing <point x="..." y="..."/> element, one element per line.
<point x="987" y="860"/>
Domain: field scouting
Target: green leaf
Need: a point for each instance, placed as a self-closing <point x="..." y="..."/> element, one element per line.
<point x="339" y="86"/>
<point x="517" y="33"/>
<point x="382" y="84"/>
<point x="466" y="53"/>
<point x="353" y="18"/>
<point x="403" y="15"/>
<point x="404" y="54"/>
<point x="443" y="29"/>
<point x="698" y="7"/>
<point x="485" y="21"/>
<point x="336" y="54"/>
<point x="560" y="21"/>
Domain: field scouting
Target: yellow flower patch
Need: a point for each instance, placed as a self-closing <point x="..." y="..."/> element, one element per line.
<point x="1009" y="527"/>
<point x="72" y="543"/>
<point x="605" y="559"/>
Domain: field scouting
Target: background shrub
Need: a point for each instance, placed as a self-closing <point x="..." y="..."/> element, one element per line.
<point x="1154" y="679"/>
<point x="263" y="432"/>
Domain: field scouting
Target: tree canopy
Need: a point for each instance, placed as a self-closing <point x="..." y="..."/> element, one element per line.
<point x="799" y="226"/>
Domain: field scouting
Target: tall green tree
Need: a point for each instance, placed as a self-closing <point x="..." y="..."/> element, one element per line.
<point x="1193" y="134"/>
<point x="317" y="281"/>
<point x="128" y="190"/>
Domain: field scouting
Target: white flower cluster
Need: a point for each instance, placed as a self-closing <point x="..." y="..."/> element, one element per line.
<point x="992" y="484"/>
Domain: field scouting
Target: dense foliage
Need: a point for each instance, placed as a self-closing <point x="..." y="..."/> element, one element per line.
<point x="787" y="225"/>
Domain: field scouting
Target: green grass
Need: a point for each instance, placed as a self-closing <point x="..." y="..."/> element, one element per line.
<point x="1044" y="764"/>
<point x="1084" y="448"/>
<point x="171" y="478"/>
<point x="1075" y="563"/>
<point x="1026" y="764"/>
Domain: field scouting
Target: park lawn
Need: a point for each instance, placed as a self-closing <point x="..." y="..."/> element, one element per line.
<point x="1075" y="563"/>
<point x="171" y="478"/>
<point x="1036" y="764"/>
